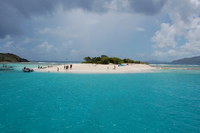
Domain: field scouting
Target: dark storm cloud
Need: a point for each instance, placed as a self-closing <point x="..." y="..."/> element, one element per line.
<point x="14" y="12"/>
<point x="88" y="5"/>
<point x="9" y="20"/>
<point x="148" y="7"/>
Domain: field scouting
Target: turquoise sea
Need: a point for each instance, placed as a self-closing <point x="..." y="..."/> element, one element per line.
<point x="164" y="101"/>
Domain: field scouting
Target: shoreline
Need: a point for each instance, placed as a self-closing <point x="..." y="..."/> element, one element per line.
<point x="98" y="68"/>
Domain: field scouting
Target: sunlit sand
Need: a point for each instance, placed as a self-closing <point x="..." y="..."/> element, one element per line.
<point x="99" y="68"/>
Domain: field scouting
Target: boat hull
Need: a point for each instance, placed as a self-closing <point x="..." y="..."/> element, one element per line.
<point x="27" y="70"/>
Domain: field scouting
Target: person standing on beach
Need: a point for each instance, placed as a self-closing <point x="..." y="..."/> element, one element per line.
<point x="71" y="66"/>
<point x="57" y="69"/>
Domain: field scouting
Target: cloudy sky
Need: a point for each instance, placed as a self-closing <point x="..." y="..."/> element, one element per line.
<point x="60" y="30"/>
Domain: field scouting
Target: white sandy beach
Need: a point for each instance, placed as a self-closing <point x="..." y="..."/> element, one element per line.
<point x="99" y="68"/>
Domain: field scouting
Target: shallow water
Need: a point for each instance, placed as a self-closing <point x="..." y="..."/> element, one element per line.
<point x="163" y="101"/>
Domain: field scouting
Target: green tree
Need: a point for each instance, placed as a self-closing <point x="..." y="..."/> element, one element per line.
<point x="87" y="58"/>
<point x="105" y="60"/>
<point x="115" y="60"/>
<point x="96" y="60"/>
<point x="126" y="60"/>
<point x="102" y="56"/>
<point x="137" y="62"/>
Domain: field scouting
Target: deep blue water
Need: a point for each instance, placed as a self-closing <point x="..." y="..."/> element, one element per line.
<point x="163" y="101"/>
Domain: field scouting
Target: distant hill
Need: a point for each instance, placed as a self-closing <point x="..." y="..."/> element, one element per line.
<point x="157" y="62"/>
<point x="8" y="57"/>
<point x="192" y="60"/>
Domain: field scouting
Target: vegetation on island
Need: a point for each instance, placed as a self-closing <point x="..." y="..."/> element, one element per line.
<point x="104" y="59"/>
<point x="8" y="57"/>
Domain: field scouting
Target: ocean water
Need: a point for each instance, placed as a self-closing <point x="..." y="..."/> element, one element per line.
<point x="163" y="101"/>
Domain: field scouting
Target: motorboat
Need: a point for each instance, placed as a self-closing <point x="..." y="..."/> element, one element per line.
<point x="27" y="69"/>
<point x="5" y="67"/>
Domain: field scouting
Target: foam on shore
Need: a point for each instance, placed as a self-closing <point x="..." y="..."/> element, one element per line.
<point x="99" y="68"/>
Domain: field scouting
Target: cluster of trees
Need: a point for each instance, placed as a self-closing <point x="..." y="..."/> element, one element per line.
<point x="104" y="59"/>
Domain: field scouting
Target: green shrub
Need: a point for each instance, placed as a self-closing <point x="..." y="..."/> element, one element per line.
<point x="104" y="59"/>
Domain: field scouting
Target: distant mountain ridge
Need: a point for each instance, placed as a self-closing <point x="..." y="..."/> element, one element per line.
<point x="8" y="57"/>
<point x="191" y="60"/>
<point x="157" y="62"/>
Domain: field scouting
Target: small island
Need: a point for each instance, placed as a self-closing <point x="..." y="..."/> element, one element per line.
<point x="8" y="57"/>
<point x="103" y="64"/>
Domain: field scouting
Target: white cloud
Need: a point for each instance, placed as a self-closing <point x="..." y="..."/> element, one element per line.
<point x="193" y="44"/>
<point x="45" y="47"/>
<point x="193" y="34"/>
<point x="52" y="52"/>
<point x="11" y="47"/>
<point x="46" y="51"/>
<point x="165" y="37"/>
<point x="185" y="25"/>
<point x="160" y="54"/>
<point x="191" y="47"/>
<point x="27" y="40"/>
<point x="45" y="31"/>
<point x="170" y="54"/>
<point x="9" y="44"/>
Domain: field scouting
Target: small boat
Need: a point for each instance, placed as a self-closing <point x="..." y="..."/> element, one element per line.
<point x="27" y="69"/>
<point x="5" y="67"/>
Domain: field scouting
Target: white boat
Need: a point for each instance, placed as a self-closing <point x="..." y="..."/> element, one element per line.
<point x="27" y="69"/>
<point x="5" y="67"/>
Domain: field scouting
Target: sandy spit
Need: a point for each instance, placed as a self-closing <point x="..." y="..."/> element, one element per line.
<point x="98" y="68"/>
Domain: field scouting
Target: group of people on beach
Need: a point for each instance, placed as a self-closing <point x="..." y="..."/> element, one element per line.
<point x="41" y="67"/>
<point x="68" y="66"/>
